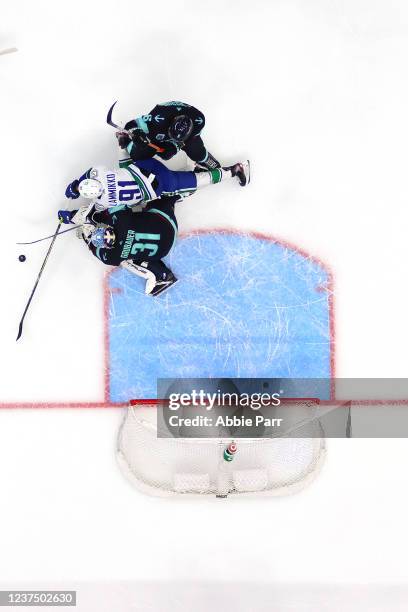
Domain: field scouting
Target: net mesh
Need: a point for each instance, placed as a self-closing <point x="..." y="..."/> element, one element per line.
<point x="169" y="466"/>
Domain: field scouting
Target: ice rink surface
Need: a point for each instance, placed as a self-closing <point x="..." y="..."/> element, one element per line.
<point x="315" y="94"/>
<point x="244" y="306"/>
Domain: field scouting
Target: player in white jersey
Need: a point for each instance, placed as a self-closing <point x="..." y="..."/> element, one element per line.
<point x="137" y="182"/>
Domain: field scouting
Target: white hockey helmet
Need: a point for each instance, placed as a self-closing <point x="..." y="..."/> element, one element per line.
<point x="90" y="188"/>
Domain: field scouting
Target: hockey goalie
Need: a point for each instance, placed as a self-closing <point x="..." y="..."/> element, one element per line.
<point x="121" y="233"/>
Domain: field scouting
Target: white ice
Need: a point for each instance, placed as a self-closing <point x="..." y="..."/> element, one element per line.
<point x="329" y="174"/>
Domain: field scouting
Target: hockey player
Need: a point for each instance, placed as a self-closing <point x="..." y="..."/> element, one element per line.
<point x="138" y="182"/>
<point x="137" y="241"/>
<point x="167" y="129"/>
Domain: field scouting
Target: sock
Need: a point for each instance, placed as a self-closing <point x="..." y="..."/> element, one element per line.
<point x="211" y="177"/>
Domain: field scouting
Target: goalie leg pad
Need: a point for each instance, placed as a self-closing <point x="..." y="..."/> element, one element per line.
<point x="158" y="276"/>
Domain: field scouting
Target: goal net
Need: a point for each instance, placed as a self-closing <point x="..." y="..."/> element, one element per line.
<point x="199" y="466"/>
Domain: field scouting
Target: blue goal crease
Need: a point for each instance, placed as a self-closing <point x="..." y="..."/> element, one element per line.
<point x="244" y="307"/>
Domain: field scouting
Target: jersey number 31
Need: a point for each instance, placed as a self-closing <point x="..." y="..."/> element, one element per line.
<point x="140" y="247"/>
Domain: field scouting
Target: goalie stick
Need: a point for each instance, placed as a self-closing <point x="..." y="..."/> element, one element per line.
<point x="48" y="237"/>
<point x="110" y="121"/>
<point x="83" y="215"/>
<point x="20" y="327"/>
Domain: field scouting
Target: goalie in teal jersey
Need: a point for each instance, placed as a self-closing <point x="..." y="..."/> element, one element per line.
<point x="137" y="241"/>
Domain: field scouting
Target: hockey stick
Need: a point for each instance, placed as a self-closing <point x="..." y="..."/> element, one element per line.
<point x="20" y="327"/>
<point x="77" y="225"/>
<point x="110" y="121"/>
<point x="48" y="237"/>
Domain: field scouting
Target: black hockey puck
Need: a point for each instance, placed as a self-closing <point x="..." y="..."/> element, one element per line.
<point x="22" y="258"/>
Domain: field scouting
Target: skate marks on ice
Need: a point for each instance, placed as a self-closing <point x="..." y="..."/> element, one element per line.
<point x="246" y="305"/>
<point x="7" y="51"/>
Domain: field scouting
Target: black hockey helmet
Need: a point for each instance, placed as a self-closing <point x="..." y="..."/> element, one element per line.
<point x="180" y="128"/>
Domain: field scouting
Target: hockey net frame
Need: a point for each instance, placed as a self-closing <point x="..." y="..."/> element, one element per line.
<point x="195" y="467"/>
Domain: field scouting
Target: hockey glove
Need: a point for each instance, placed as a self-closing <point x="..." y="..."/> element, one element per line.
<point x="85" y="232"/>
<point x="72" y="190"/>
<point x="170" y="150"/>
<point x="123" y="139"/>
<point x="65" y="216"/>
<point x="137" y="144"/>
<point x="138" y="136"/>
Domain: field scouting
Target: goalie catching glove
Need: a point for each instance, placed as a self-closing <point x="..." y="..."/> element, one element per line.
<point x="78" y="216"/>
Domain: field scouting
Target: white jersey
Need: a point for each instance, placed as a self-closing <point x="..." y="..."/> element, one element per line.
<point x="123" y="186"/>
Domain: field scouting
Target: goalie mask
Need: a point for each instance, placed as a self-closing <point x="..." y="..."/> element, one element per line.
<point x="103" y="237"/>
<point x="180" y="128"/>
<point x="90" y="188"/>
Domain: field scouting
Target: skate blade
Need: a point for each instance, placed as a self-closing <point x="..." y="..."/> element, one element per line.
<point x="249" y="173"/>
<point x="163" y="289"/>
